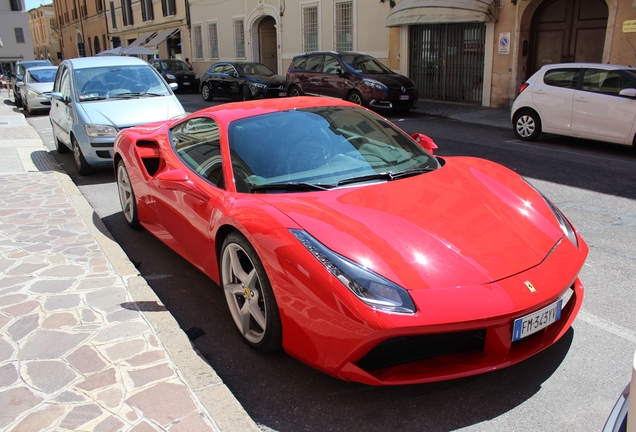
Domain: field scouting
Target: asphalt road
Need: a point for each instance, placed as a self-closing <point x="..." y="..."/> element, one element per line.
<point x="571" y="386"/>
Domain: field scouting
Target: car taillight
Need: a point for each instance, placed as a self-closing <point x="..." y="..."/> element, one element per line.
<point x="523" y="87"/>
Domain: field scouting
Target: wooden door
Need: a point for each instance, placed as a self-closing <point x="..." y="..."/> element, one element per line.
<point x="267" y="42"/>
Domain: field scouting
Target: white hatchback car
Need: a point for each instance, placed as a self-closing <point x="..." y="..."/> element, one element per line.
<point x="584" y="100"/>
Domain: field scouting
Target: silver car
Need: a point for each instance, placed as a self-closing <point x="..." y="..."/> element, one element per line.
<point x="35" y="88"/>
<point x="95" y="97"/>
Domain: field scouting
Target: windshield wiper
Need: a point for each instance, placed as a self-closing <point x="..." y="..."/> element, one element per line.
<point x="134" y="94"/>
<point x="389" y="175"/>
<point x="289" y="186"/>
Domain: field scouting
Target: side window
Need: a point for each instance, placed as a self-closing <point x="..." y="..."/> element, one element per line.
<point x="65" y="85"/>
<point x="218" y="69"/>
<point x="605" y="82"/>
<point x="331" y="65"/>
<point x="230" y="70"/>
<point x="197" y="144"/>
<point x="300" y="63"/>
<point x="566" y="78"/>
<point x="58" y="79"/>
<point x="314" y="63"/>
<point x="157" y="66"/>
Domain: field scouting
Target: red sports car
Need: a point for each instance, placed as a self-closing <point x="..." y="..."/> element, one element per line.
<point x="346" y="242"/>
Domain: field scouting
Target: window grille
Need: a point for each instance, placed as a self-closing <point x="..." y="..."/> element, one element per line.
<point x="310" y="27"/>
<point x="198" y="41"/>
<point x="239" y="39"/>
<point x="343" y="25"/>
<point x="213" y="40"/>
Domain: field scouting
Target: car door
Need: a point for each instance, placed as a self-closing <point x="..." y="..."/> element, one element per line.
<point x="61" y="113"/>
<point x="332" y="82"/>
<point x="599" y="112"/>
<point x="232" y="83"/>
<point x="190" y="189"/>
<point x="554" y="95"/>
<point x="312" y="77"/>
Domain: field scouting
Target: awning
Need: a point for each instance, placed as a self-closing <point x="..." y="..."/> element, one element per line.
<point x="140" y="40"/>
<point x="410" y="12"/>
<point x="161" y="36"/>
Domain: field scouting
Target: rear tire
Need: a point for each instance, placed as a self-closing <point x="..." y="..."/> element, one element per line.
<point x="206" y="93"/>
<point x="83" y="168"/>
<point x="527" y="125"/>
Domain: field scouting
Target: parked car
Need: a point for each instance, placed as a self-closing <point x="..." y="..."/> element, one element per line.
<point x="353" y="76"/>
<point x="345" y="241"/>
<point x="584" y="100"/>
<point x="18" y="76"/>
<point x="95" y="97"/>
<point x="177" y="71"/>
<point x="36" y="87"/>
<point x="241" y="81"/>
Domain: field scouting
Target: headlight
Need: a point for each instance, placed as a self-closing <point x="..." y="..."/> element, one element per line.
<point x="565" y="225"/>
<point x="170" y="76"/>
<point x="373" y="289"/>
<point x="100" y="130"/>
<point x="374" y="84"/>
<point x="259" y="85"/>
<point x="34" y="93"/>
<point x="196" y="77"/>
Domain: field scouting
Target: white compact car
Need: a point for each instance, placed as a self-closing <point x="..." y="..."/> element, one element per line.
<point x="584" y="100"/>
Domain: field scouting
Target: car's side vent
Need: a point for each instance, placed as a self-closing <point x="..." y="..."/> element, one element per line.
<point x="148" y="151"/>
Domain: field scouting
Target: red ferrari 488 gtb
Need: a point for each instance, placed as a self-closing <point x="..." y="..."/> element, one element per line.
<point x="347" y="243"/>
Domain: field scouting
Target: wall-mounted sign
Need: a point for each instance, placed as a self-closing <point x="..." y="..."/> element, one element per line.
<point x="504" y="43"/>
<point x="629" y="26"/>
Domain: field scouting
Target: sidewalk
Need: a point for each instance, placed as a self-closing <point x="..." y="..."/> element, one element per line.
<point x="85" y="344"/>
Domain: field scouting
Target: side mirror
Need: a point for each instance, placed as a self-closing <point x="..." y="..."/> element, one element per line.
<point x="173" y="86"/>
<point x="425" y="141"/>
<point x="628" y="92"/>
<point x="58" y="96"/>
<point x="19" y="84"/>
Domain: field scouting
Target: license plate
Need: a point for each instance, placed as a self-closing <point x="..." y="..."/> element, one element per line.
<point x="532" y="323"/>
<point x="404" y="97"/>
<point x="186" y="83"/>
<point x="282" y="94"/>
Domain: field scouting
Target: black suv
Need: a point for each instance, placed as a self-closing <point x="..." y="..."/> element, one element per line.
<point x="177" y="71"/>
<point x="353" y="76"/>
<point x="18" y="76"/>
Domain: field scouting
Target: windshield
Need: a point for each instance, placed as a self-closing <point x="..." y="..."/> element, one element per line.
<point x="254" y="69"/>
<point x="109" y="82"/>
<point x="175" y="65"/>
<point x="365" y="64"/>
<point x="321" y="147"/>
<point x="41" y="75"/>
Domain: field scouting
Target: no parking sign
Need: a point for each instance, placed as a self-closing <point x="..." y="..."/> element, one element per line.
<point x="504" y="43"/>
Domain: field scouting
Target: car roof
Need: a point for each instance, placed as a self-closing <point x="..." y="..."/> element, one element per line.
<point x="90" y="62"/>
<point x="229" y="112"/>
<point x="587" y="65"/>
<point x="33" y="61"/>
<point x="332" y="52"/>
<point x="41" y="68"/>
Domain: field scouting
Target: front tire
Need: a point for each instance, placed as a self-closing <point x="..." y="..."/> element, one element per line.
<point x="355" y="97"/>
<point x="206" y="93"/>
<point x="249" y="295"/>
<point x="83" y="168"/>
<point x="527" y="125"/>
<point x="18" y="100"/>
<point x="294" y="91"/>
<point x="127" y="196"/>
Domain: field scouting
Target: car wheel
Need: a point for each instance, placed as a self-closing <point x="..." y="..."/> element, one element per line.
<point x="294" y="91"/>
<point x="355" y="97"/>
<point x="527" y="125"/>
<point x="26" y="106"/>
<point x="249" y="295"/>
<point x="127" y="196"/>
<point x="247" y="94"/>
<point x="206" y="94"/>
<point x="60" y="146"/>
<point x="18" y="100"/>
<point x="83" y="168"/>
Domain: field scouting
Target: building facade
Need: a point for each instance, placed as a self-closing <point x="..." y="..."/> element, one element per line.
<point x="481" y="51"/>
<point x="45" y="40"/>
<point x="160" y="26"/>
<point x="272" y="32"/>
<point x="81" y="27"/>
<point x="15" y="37"/>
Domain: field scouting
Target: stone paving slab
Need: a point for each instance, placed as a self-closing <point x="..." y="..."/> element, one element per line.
<point x="76" y="352"/>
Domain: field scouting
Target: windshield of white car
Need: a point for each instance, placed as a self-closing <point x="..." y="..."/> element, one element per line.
<point x="41" y="75"/>
<point x="114" y="81"/>
<point x="324" y="147"/>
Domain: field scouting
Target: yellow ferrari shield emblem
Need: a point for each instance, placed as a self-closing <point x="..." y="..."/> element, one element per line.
<point x="246" y="292"/>
<point x="530" y="286"/>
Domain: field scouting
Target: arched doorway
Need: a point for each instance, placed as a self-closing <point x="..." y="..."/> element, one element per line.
<point x="267" y="43"/>
<point x="564" y="31"/>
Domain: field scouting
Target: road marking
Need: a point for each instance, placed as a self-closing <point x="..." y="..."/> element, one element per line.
<point x="607" y="326"/>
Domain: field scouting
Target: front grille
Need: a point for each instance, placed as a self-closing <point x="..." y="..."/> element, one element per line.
<point x="407" y="349"/>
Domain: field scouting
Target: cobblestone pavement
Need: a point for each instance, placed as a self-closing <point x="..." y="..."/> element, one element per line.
<point x="84" y="342"/>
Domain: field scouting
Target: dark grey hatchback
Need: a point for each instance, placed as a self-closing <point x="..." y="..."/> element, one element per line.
<point x="353" y="76"/>
<point x="241" y="81"/>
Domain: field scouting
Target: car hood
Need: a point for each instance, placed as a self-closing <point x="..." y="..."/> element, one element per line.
<point x="46" y="87"/>
<point x="180" y="73"/>
<point x="470" y="222"/>
<point x="274" y="79"/>
<point x="123" y="113"/>
<point x="391" y="80"/>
